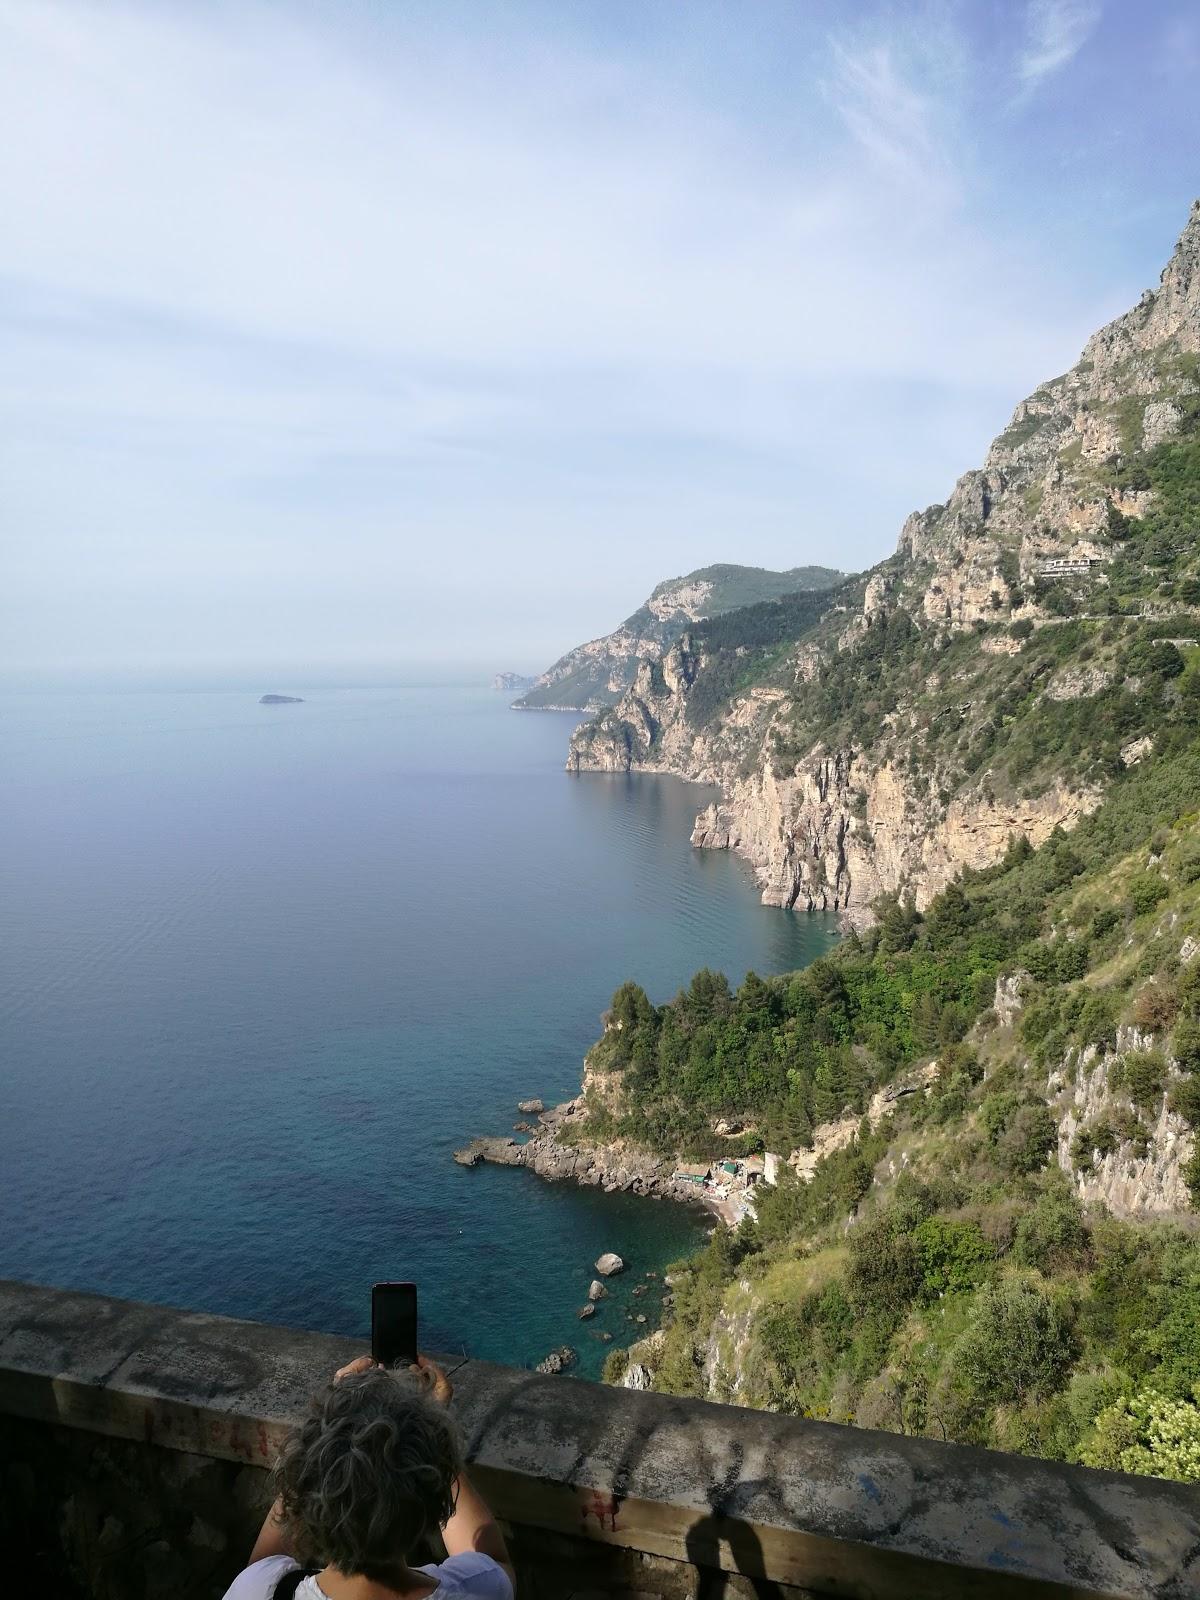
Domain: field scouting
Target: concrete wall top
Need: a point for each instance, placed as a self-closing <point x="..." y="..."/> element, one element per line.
<point x="834" y="1510"/>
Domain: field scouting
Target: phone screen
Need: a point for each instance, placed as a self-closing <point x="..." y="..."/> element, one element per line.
<point x="394" y="1324"/>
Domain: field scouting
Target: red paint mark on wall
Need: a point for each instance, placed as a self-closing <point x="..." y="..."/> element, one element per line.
<point x="603" y="1507"/>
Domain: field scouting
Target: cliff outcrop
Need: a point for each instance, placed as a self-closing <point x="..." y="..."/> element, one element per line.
<point x="598" y="673"/>
<point x="873" y="750"/>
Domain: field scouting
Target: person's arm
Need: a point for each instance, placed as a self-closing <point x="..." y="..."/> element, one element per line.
<point x="471" y="1526"/>
<point x="272" y="1539"/>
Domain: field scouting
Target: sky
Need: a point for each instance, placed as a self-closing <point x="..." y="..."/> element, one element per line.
<point x="339" y="337"/>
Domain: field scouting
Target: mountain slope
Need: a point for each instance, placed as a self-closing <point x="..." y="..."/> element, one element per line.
<point x="992" y="677"/>
<point x="983" y="1106"/>
<point x="597" y="673"/>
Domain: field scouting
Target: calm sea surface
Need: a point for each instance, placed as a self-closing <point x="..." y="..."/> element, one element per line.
<point x="264" y="968"/>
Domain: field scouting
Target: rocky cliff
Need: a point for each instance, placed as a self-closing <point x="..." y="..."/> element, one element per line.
<point x="935" y="709"/>
<point x="597" y="673"/>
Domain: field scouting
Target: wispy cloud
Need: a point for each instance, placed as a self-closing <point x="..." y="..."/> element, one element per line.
<point x="1055" y="32"/>
<point x="888" y="116"/>
<point x="285" y="296"/>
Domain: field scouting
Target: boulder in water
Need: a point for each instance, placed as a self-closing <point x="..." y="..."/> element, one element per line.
<point x="609" y="1264"/>
<point x="597" y="1291"/>
<point x="557" y="1361"/>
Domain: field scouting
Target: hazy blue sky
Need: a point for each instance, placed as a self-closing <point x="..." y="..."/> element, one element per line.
<point x="336" y="336"/>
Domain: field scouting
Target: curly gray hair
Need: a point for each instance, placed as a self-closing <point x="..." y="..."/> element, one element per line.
<point x="368" y="1476"/>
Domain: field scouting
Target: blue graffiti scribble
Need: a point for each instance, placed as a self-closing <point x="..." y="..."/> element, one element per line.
<point x="1003" y="1558"/>
<point x="872" y="1488"/>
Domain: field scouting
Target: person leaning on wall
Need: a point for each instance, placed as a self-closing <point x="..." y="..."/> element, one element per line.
<point x="361" y="1486"/>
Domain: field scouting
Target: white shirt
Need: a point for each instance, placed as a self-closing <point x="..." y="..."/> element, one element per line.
<point x="471" y="1576"/>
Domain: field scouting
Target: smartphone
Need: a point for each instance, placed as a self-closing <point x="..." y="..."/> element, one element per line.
<point x="394" y="1324"/>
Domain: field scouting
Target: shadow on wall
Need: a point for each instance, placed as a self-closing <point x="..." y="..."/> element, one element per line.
<point x="627" y="1440"/>
<point x="704" y="1540"/>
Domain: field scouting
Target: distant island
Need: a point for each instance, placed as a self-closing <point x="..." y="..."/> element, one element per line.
<point x="512" y="682"/>
<point x="281" y="700"/>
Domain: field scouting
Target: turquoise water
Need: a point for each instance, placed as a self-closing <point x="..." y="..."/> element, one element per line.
<point x="264" y="968"/>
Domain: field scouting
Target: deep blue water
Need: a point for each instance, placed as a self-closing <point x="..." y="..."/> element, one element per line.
<point x="264" y="968"/>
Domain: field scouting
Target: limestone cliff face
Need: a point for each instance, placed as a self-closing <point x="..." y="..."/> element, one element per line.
<point x="598" y="673"/>
<point x="846" y="820"/>
<point x="834" y="833"/>
<point x="1131" y="1180"/>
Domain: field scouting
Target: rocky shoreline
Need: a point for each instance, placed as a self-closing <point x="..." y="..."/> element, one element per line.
<point x="552" y="1154"/>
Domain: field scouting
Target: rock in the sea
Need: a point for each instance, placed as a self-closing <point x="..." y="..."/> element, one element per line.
<point x="640" y="1317"/>
<point x="557" y="1361"/>
<point x="609" y="1264"/>
<point x="596" y="1291"/>
<point x="524" y="1127"/>
<point x="531" y="1107"/>
<point x="505" y="1152"/>
<point x="588" y="1310"/>
<point x="280" y="700"/>
<point x="604" y="1336"/>
<point x="636" y="1376"/>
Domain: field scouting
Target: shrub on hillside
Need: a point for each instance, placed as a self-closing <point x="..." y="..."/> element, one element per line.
<point x="1184" y="1100"/>
<point x="954" y="1255"/>
<point x="1147" y="1432"/>
<point x="1026" y="1143"/>
<point x="1157" y="1006"/>
<point x="1143" y="1077"/>
<point x="1146" y="891"/>
<point x="885" y="1273"/>
<point x="1186" y="1043"/>
<point x="1051" y="1235"/>
<point x="1018" y="1344"/>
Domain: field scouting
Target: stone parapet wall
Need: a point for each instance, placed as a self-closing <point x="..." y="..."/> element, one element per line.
<point x="134" y="1441"/>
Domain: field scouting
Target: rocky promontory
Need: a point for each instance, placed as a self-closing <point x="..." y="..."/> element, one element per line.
<point x="553" y="1152"/>
<point x="281" y="700"/>
<point x="512" y="682"/>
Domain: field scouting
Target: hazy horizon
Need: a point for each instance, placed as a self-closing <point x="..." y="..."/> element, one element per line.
<point x="343" y="337"/>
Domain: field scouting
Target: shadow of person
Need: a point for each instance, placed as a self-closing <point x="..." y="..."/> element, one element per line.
<point x="703" y="1544"/>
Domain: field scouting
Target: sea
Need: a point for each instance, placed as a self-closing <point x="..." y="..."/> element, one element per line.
<point x="263" y="968"/>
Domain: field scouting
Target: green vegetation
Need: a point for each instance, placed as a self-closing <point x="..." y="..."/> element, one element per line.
<point x="972" y="1297"/>
<point x="741" y="648"/>
<point x="964" y="1075"/>
<point x="585" y="680"/>
<point x="735" y="587"/>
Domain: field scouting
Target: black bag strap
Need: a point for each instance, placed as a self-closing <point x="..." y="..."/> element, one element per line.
<point x="286" y="1588"/>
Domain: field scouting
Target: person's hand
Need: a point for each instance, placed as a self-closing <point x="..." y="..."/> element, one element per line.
<point x="359" y="1364"/>
<point x="434" y="1379"/>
